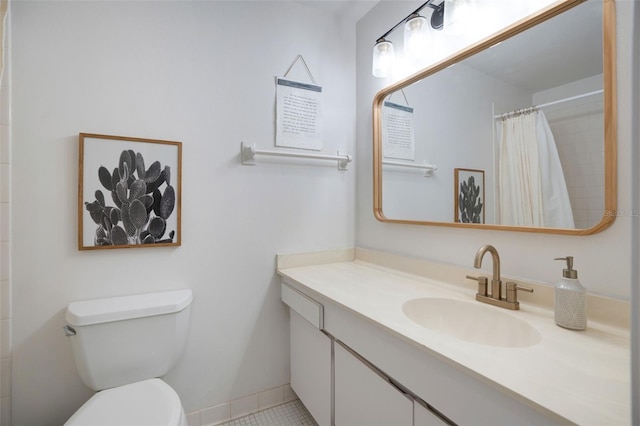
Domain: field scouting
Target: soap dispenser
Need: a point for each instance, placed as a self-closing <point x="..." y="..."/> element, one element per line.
<point x="570" y="299"/>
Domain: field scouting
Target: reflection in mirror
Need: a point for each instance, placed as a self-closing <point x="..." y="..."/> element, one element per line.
<point x="526" y="112"/>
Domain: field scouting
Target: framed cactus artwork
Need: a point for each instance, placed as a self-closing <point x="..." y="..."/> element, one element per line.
<point x="469" y="199"/>
<point x="129" y="192"/>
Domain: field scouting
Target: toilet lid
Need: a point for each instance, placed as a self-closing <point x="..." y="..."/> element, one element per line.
<point x="149" y="402"/>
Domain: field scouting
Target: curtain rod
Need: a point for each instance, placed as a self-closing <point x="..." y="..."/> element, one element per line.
<point x="559" y="101"/>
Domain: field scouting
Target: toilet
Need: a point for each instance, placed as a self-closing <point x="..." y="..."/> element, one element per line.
<point x="122" y="346"/>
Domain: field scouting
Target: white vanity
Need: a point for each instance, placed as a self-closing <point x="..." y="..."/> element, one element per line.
<point x="362" y="355"/>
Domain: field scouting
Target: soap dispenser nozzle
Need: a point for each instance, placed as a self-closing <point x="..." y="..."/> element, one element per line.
<point x="569" y="272"/>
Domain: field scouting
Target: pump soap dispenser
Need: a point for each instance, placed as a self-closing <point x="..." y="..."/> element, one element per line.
<point x="570" y="299"/>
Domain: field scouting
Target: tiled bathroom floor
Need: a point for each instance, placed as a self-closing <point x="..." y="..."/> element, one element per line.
<point x="290" y="414"/>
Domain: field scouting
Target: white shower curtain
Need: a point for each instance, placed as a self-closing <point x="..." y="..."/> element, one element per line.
<point x="532" y="187"/>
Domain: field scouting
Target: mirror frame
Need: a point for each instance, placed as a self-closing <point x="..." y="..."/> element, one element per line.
<point x="610" y="118"/>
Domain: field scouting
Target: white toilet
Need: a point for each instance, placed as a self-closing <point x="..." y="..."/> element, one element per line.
<point x="121" y="346"/>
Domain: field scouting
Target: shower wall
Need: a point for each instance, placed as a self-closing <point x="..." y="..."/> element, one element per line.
<point x="578" y="129"/>
<point x="579" y="139"/>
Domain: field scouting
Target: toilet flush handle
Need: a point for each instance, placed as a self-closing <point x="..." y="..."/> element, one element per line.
<point x="69" y="331"/>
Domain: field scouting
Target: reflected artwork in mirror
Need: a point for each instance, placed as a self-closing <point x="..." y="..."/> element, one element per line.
<point x="532" y="107"/>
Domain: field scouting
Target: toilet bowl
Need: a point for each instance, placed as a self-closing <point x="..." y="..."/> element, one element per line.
<point x="121" y="347"/>
<point x="147" y="403"/>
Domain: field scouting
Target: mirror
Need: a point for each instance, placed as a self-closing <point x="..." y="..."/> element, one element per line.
<point x="520" y="129"/>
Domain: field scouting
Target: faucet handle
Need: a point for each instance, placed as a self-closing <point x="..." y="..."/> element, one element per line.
<point x="512" y="291"/>
<point x="482" y="284"/>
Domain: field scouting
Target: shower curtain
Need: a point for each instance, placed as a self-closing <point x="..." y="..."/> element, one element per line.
<point x="532" y="187"/>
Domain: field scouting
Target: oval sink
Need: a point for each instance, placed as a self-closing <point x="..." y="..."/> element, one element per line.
<point x="471" y="322"/>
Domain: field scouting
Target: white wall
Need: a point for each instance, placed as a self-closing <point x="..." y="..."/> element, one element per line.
<point x="603" y="260"/>
<point x="197" y="72"/>
<point x="635" y="229"/>
<point x="5" y="219"/>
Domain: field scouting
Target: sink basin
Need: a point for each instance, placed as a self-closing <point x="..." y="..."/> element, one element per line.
<point x="471" y="322"/>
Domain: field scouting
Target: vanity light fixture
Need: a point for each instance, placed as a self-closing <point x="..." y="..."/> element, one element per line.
<point x="416" y="38"/>
<point x="460" y="16"/>
<point x="384" y="58"/>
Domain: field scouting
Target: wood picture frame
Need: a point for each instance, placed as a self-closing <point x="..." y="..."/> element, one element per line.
<point x="469" y="196"/>
<point x="129" y="192"/>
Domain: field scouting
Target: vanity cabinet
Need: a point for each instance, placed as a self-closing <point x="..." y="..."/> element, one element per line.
<point x="363" y="397"/>
<point x="349" y="371"/>
<point x="368" y="308"/>
<point x="338" y="386"/>
<point x="456" y="393"/>
<point x="310" y="361"/>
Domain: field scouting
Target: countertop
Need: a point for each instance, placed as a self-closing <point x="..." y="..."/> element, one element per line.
<point x="583" y="376"/>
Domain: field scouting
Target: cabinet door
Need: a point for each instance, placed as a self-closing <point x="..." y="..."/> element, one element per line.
<point x="363" y="397"/>
<point x="311" y="367"/>
<point x="422" y="416"/>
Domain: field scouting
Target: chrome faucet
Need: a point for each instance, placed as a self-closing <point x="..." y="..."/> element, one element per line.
<point x="495" y="298"/>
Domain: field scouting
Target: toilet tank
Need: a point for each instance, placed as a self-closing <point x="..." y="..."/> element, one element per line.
<point x="121" y="340"/>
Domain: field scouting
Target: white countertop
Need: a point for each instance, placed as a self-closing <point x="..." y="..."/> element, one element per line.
<point x="583" y="376"/>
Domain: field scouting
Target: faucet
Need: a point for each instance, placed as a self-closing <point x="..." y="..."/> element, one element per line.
<point x="495" y="298"/>
<point x="496" y="283"/>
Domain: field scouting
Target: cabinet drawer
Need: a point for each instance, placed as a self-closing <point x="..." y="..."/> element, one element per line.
<point x="308" y="308"/>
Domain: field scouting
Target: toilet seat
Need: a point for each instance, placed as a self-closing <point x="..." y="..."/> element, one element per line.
<point x="146" y="403"/>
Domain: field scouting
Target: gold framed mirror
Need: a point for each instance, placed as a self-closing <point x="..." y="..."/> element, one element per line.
<point x="552" y="73"/>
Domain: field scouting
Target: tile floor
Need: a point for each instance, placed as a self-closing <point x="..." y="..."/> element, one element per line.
<point x="289" y="414"/>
